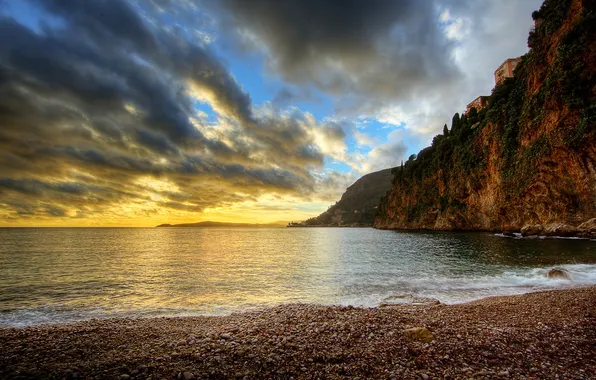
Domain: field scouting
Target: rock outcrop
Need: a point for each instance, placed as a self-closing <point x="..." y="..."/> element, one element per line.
<point x="358" y="205"/>
<point x="558" y="274"/>
<point x="584" y="230"/>
<point x="532" y="230"/>
<point x="528" y="158"/>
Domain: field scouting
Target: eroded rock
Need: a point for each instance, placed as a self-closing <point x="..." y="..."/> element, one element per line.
<point x="531" y="230"/>
<point x="560" y="229"/>
<point x="588" y="226"/>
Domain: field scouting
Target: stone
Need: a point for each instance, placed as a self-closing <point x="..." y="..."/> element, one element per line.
<point x="419" y="333"/>
<point x="408" y="299"/>
<point x="188" y="375"/>
<point x="531" y="230"/>
<point x="225" y="336"/>
<point x="588" y="226"/>
<point x="558" y="273"/>
<point x="560" y="229"/>
<point x="588" y="229"/>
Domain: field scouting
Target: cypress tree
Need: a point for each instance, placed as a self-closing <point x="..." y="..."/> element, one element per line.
<point x="455" y="123"/>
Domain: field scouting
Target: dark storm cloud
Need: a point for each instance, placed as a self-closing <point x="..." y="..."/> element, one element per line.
<point x="104" y="20"/>
<point x="67" y="79"/>
<point x="377" y="48"/>
<point x="99" y="98"/>
<point x="65" y="189"/>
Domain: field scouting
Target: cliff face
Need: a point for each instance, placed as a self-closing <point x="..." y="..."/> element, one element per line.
<point x="358" y="205"/>
<point x="529" y="157"/>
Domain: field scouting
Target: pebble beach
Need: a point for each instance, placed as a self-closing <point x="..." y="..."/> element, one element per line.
<point x="538" y="335"/>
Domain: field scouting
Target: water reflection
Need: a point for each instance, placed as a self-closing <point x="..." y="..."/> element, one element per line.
<point x="114" y="271"/>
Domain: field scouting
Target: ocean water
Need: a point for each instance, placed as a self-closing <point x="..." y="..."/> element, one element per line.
<point x="50" y="275"/>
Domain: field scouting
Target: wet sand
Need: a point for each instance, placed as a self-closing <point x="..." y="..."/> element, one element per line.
<point x="539" y="335"/>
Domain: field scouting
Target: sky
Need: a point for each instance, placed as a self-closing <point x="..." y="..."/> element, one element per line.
<point x="142" y="112"/>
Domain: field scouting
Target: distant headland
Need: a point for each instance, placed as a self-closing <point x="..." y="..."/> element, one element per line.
<point x="224" y="224"/>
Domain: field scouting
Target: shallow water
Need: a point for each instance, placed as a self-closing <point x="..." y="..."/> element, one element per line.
<point x="66" y="274"/>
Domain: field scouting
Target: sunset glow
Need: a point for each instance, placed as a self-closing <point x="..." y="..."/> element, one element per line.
<point x="173" y="112"/>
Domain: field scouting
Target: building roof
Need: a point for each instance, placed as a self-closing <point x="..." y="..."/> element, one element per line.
<point x="507" y="60"/>
<point x="480" y="97"/>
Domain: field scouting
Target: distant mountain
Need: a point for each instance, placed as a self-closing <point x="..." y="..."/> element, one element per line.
<point x="358" y="205"/>
<point x="223" y="224"/>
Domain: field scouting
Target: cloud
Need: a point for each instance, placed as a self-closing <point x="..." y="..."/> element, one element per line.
<point x="287" y="96"/>
<point x="99" y="115"/>
<point x="413" y="62"/>
<point x="378" y="50"/>
<point x="107" y="91"/>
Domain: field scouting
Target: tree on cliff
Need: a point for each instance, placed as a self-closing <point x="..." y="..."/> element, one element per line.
<point x="455" y="124"/>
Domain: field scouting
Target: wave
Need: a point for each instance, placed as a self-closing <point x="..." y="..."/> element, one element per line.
<point x="446" y="289"/>
<point x="460" y="289"/>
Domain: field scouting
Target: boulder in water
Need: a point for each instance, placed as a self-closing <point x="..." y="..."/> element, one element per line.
<point x="558" y="273"/>
<point x="531" y="230"/>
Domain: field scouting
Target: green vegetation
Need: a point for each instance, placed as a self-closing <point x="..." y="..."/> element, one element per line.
<point x="568" y="80"/>
<point x="358" y="205"/>
<point x="451" y="150"/>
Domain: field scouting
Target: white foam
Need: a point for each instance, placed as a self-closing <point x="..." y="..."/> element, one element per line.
<point x="519" y="236"/>
<point x="459" y="289"/>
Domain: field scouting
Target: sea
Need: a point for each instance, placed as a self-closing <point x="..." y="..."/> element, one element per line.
<point x="57" y="275"/>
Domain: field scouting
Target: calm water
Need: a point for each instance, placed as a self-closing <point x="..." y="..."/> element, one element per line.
<point x="63" y="274"/>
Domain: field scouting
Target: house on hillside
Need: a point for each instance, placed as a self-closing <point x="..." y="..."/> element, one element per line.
<point x="506" y="69"/>
<point x="478" y="103"/>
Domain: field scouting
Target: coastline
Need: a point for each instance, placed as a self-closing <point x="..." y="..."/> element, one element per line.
<point x="539" y="335"/>
<point x="585" y="230"/>
<point x="328" y="226"/>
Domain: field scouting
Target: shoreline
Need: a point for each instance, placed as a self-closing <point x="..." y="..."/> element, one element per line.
<point x="540" y="335"/>
<point x="585" y="230"/>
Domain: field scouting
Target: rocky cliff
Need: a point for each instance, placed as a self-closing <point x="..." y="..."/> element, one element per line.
<point x="529" y="157"/>
<point x="358" y="205"/>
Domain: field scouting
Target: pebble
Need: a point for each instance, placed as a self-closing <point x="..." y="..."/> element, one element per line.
<point x="285" y="336"/>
